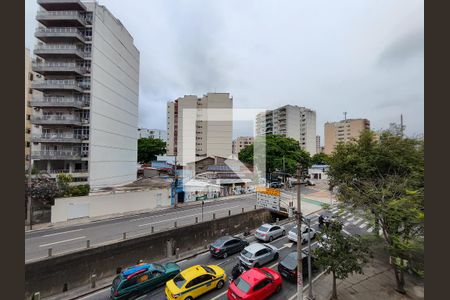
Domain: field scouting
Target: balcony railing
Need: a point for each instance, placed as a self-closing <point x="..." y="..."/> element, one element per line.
<point x="59" y="171"/>
<point x="59" y="84"/>
<point x="53" y="32"/>
<point x="61" y="49"/>
<point x="77" y="102"/>
<point x="61" y="15"/>
<point x="56" y="154"/>
<point x="57" y="119"/>
<point x="58" y="138"/>
<point x="60" y="67"/>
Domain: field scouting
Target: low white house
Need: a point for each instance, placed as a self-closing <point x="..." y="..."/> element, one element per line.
<point x="318" y="171"/>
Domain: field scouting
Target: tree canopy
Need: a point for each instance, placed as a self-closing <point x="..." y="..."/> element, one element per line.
<point x="149" y="148"/>
<point x="282" y="154"/>
<point x="320" y="159"/>
<point x="385" y="176"/>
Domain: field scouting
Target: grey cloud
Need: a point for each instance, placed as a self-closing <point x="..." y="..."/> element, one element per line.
<point x="403" y="48"/>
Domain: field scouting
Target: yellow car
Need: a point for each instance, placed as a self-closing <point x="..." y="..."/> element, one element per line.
<point x="194" y="282"/>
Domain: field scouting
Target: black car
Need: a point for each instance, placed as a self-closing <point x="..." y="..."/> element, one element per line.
<point x="276" y="184"/>
<point x="287" y="267"/>
<point x="227" y="245"/>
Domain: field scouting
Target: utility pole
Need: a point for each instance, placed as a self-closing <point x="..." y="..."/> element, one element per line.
<point x="29" y="205"/>
<point x="299" y="237"/>
<point x="401" y="125"/>
<point x="310" y="293"/>
<point x="175" y="179"/>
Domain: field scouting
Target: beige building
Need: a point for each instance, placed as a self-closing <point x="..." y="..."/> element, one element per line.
<point x="318" y="147"/>
<point x="28" y="110"/>
<point x="241" y="142"/>
<point x="291" y="121"/>
<point x="343" y="131"/>
<point x="210" y="137"/>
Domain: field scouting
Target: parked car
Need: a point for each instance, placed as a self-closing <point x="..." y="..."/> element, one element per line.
<point x="141" y="279"/>
<point x="288" y="266"/>
<point x="310" y="182"/>
<point x="292" y="234"/>
<point x="269" y="232"/>
<point x="255" y="284"/>
<point x="276" y="185"/>
<point x="227" y="245"/>
<point x="256" y="255"/>
<point x="194" y="282"/>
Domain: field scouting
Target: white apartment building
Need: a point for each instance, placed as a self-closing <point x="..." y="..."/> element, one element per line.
<point x="145" y="133"/>
<point x="85" y="123"/>
<point x="291" y="121"/>
<point x="212" y="138"/>
<point x="241" y="142"/>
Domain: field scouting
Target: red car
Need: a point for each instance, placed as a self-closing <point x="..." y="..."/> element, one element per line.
<point x="255" y="284"/>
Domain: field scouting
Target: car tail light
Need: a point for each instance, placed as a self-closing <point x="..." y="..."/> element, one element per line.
<point x="175" y="296"/>
<point x="217" y="250"/>
<point x="116" y="293"/>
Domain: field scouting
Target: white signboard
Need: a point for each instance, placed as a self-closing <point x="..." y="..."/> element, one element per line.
<point x="268" y="201"/>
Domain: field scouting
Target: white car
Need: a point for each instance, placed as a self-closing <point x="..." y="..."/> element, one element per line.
<point x="324" y="243"/>
<point x="292" y="235"/>
<point x="269" y="232"/>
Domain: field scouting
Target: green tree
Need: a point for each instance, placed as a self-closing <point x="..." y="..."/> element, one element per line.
<point x="320" y="159"/>
<point x="148" y="148"/>
<point x="282" y="154"/>
<point x="385" y="176"/>
<point x="340" y="254"/>
<point x="43" y="191"/>
<point x="64" y="181"/>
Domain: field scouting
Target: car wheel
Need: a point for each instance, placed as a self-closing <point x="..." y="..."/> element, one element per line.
<point x="225" y="255"/>
<point x="270" y="238"/>
<point x="278" y="289"/>
<point x="189" y="298"/>
<point x="220" y="284"/>
<point x="275" y="257"/>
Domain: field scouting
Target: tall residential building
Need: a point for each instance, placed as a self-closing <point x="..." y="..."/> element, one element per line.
<point x="343" y="131"/>
<point x="144" y="133"/>
<point x="241" y="142"/>
<point x="85" y="122"/>
<point x="291" y="121"/>
<point x="318" y="149"/>
<point x="28" y="110"/>
<point x="212" y="138"/>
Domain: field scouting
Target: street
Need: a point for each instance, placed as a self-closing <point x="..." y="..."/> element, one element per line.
<point x="353" y="224"/>
<point x="75" y="237"/>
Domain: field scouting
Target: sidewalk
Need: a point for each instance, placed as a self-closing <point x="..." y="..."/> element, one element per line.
<point x="377" y="282"/>
<point x="127" y="214"/>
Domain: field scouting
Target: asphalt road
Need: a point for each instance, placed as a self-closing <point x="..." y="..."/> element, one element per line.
<point x="73" y="238"/>
<point x="353" y="224"/>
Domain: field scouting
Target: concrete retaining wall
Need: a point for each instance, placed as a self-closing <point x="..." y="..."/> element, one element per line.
<point x="102" y="205"/>
<point x="50" y="275"/>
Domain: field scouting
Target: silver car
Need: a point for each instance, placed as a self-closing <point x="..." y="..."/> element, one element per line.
<point x="256" y="255"/>
<point x="292" y="235"/>
<point x="268" y="232"/>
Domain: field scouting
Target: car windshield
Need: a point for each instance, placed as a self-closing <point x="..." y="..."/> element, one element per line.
<point x="209" y="270"/>
<point x="263" y="228"/>
<point x="294" y="230"/>
<point x="179" y="281"/>
<point x="247" y="254"/>
<point x="267" y="274"/>
<point x="290" y="261"/>
<point x="158" y="267"/>
<point x="242" y="285"/>
<point x="116" y="282"/>
<point x="218" y="243"/>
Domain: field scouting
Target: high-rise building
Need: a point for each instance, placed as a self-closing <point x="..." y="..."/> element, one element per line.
<point x="343" y="131"/>
<point x="291" y="121"/>
<point x="85" y="122"/>
<point x="29" y="76"/>
<point x="241" y="142"/>
<point x="212" y="137"/>
<point x="144" y="133"/>
<point x="318" y="148"/>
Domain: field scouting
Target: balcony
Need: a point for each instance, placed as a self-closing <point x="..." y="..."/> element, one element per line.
<point x="48" y="85"/>
<point x="62" y="5"/>
<point x="73" y="172"/>
<point x="56" y="155"/>
<point x="73" y="102"/>
<point x="57" y="138"/>
<point x="65" y="18"/>
<point x="57" y="120"/>
<point x="53" y="68"/>
<point x="60" y="34"/>
<point x="61" y="51"/>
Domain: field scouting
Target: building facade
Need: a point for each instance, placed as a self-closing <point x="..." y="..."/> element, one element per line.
<point x="29" y="76"/>
<point x="291" y="121"/>
<point x="343" y="131"/>
<point x="241" y="142"/>
<point x="144" y="133"/>
<point x="211" y="137"/>
<point x="318" y="148"/>
<point x="85" y="122"/>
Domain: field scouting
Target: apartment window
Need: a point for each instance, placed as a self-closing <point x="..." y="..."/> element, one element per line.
<point x="28" y="144"/>
<point x="28" y="131"/>
<point x="28" y="117"/>
<point x="30" y="91"/>
<point x="30" y="76"/>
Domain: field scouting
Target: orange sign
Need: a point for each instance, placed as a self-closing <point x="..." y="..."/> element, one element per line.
<point x="268" y="191"/>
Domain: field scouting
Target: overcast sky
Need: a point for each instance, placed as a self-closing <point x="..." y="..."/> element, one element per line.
<point x="362" y="57"/>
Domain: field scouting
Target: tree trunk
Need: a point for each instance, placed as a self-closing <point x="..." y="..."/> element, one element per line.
<point x="334" y="294"/>
<point x="400" y="280"/>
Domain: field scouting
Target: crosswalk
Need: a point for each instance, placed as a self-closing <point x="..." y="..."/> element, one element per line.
<point x="352" y="219"/>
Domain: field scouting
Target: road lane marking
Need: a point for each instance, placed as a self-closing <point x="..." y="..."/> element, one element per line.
<point x="363" y="225"/>
<point x="370" y="229"/>
<point x="270" y="267"/>
<point x="357" y="221"/>
<point x="346" y="223"/>
<point x="64" y="241"/>
<point x="220" y="295"/>
<point x="351" y="219"/>
<point x="346" y="232"/>
<point x="58" y="233"/>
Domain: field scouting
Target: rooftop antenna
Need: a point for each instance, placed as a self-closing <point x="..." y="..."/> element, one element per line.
<point x="401" y="125"/>
<point x="345" y="116"/>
